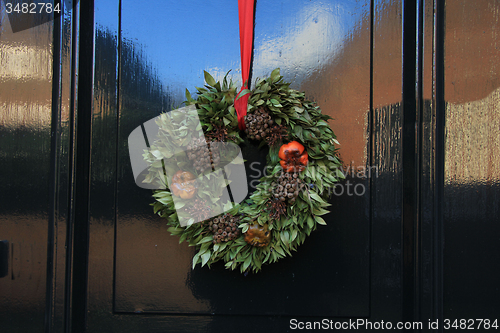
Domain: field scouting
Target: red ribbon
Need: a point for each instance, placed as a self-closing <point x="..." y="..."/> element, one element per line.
<point x="245" y="9"/>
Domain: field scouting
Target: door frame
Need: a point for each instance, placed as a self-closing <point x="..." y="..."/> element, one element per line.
<point x="417" y="292"/>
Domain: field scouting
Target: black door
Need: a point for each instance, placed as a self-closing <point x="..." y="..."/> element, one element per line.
<point x="325" y="49"/>
<point x="413" y="236"/>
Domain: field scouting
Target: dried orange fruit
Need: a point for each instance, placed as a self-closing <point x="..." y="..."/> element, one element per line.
<point x="183" y="184"/>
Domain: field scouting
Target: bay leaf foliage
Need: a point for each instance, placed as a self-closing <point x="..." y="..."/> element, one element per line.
<point x="305" y="123"/>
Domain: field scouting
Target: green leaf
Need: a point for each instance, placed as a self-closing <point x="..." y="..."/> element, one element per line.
<point x="207" y="96"/>
<point x="244" y="227"/>
<point x="195" y="259"/>
<point x="320" y="220"/>
<point x="275" y="75"/>
<point x="179" y="204"/>
<point x="313" y="173"/>
<point x="259" y="102"/>
<point x="175" y="230"/>
<point x="188" y="96"/>
<point x="183" y="237"/>
<point x="257" y="262"/>
<point x="315" y="196"/>
<point x="247" y="262"/>
<point x="280" y="250"/>
<point x="298" y="110"/>
<point x="284" y="237"/>
<point x="320" y="211"/>
<point x="310" y="221"/>
<point x="205" y="257"/>
<point x="222" y="246"/>
<point x="217" y="86"/>
<point x="298" y="132"/>
<point x="209" y="79"/>
<point x="276" y="103"/>
<point x="206" y="239"/>
<point x="243" y="93"/>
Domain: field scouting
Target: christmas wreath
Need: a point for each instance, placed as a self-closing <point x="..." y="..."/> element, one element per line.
<point x="291" y="197"/>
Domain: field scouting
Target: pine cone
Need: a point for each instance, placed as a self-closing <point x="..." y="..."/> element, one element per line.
<point x="276" y="208"/>
<point x="218" y="133"/>
<point x="287" y="187"/>
<point x="258" y="124"/>
<point x="202" y="156"/>
<point x="199" y="209"/>
<point x="224" y="228"/>
<point x="277" y="134"/>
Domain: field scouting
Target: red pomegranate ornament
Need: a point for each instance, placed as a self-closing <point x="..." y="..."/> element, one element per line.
<point x="293" y="157"/>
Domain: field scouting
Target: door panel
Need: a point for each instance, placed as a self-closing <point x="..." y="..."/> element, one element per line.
<point x="386" y="154"/>
<point x="472" y="163"/>
<point x="329" y="275"/>
<point x="325" y="49"/>
<point x="25" y="171"/>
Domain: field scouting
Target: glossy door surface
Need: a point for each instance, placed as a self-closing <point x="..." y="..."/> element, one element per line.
<point x="319" y="46"/>
<point x="25" y="172"/>
<point x="393" y="75"/>
<point x="472" y="162"/>
<point x="36" y="125"/>
<point x="412" y="87"/>
<point x="329" y="275"/>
